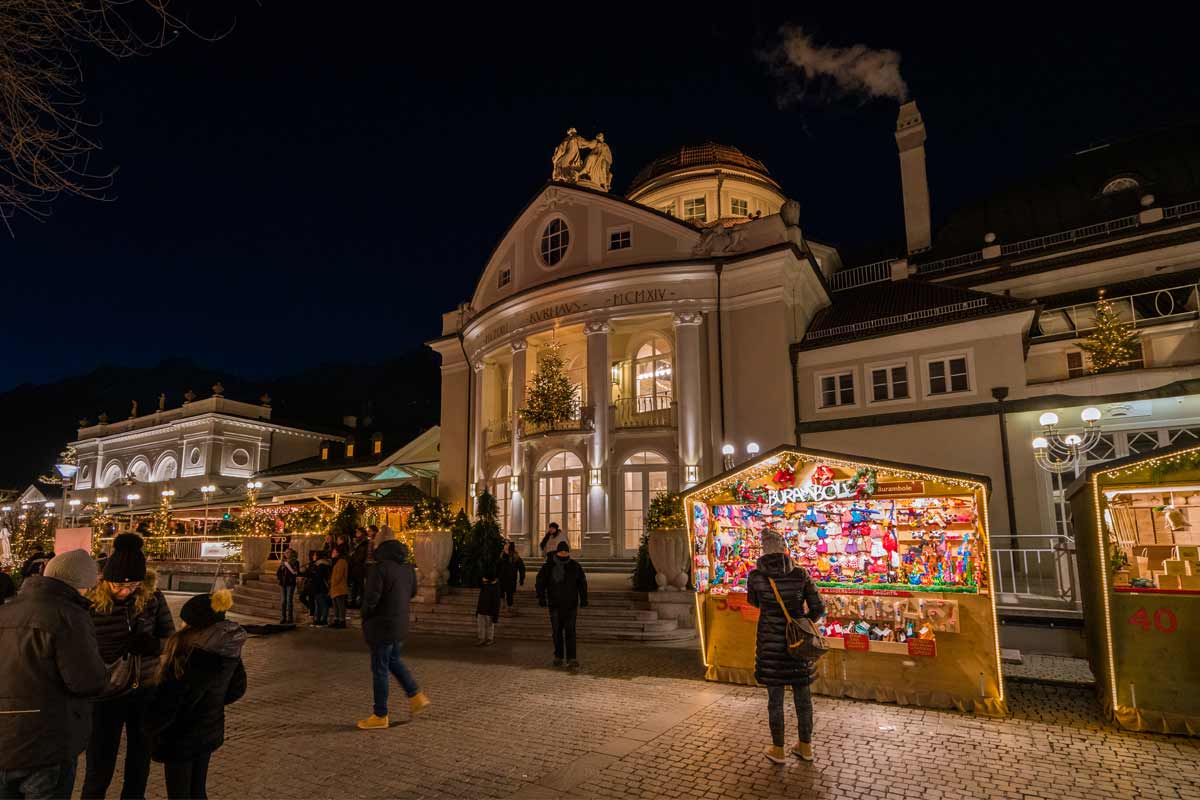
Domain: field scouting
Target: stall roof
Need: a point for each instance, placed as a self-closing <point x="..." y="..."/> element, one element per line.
<point x="984" y="480"/>
<point x="1121" y="463"/>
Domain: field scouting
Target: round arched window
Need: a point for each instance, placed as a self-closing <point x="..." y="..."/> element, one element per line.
<point x="555" y="239"/>
<point x="1120" y="185"/>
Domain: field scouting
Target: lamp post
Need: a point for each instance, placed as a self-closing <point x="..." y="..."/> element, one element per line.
<point x="66" y="472"/>
<point x="132" y="498"/>
<point x="207" y="491"/>
<point x="1058" y="454"/>
<point x="74" y="504"/>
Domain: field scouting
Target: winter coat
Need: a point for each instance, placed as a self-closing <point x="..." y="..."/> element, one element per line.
<point x="552" y="544"/>
<point x="317" y="577"/>
<point x="49" y="668"/>
<point x="186" y="718"/>
<point x="489" y="599"/>
<point x="125" y="630"/>
<point x="358" y="559"/>
<point x="562" y="585"/>
<point x="7" y="588"/>
<point x="773" y="665"/>
<point x="339" y="580"/>
<point x="391" y="586"/>
<point x="510" y="572"/>
<point x="285" y="576"/>
<point x="35" y="564"/>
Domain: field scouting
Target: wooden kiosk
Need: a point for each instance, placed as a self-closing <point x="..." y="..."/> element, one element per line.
<point x="900" y="555"/>
<point x="1137" y="536"/>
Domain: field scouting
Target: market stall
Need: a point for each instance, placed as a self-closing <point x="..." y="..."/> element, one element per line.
<point x="1137" y="537"/>
<point x="899" y="554"/>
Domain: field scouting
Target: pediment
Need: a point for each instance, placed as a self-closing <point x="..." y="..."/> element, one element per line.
<point x="591" y="218"/>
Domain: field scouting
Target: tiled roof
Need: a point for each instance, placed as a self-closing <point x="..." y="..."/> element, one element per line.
<point x="883" y="309"/>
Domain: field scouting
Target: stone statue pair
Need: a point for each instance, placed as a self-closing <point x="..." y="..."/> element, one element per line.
<point x="570" y="166"/>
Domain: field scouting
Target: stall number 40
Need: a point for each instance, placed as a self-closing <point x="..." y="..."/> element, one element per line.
<point x="1163" y="621"/>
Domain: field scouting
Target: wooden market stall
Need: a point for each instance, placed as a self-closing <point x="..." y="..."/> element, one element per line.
<point x="900" y="555"/>
<point x="1137" y="537"/>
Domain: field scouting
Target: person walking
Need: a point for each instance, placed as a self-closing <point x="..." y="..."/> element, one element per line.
<point x="316" y="579"/>
<point x="551" y="540"/>
<point x="775" y="583"/>
<point x="358" y="566"/>
<point x="201" y="673"/>
<point x="391" y="586"/>
<point x="511" y="573"/>
<point x="132" y="620"/>
<point x="287" y="576"/>
<point x="339" y="587"/>
<point x="487" y="607"/>
<point x="35" y="563"/>
<point x="50" y="668"/>
<point x="562" y="587"/>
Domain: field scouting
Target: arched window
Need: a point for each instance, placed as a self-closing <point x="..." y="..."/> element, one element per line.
<point x="113" y="474"/>
<point x="167" y="470"/>
<point x="560" y="495"/>
<point x="500" y="490"/>
<point x="139" y="470"/>
<point x="556" y="238"/>
<point x="1119" y="185"/>
<point x="652" y="373"/>
<point x="644" y="475"/>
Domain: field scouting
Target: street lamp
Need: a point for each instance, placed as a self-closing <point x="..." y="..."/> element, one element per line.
<point x="727" y="456"/>
<point x="1057" y="454"/>
<point x="74" y="504"/>
<point x="132" y="498"/>
<point x="207" y="492"/>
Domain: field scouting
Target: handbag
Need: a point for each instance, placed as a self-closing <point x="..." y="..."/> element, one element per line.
<point x="123" y="675"/>
<point x="804" y="641"/>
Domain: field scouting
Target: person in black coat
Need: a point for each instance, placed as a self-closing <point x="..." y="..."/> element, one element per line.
<point x="487" y="607"/>
<point x="287" y="575"/>
<point x="201" y="673"/>
<point x="511" y="573"/>
<point x="774" y="666"/>
<point x="132" y="620"/>
<point x="7" y="588"/>
<point x="562" y="587"/>
<point x="391" y="586"/>
<point x="35" y="563"/>
<point x="50" y="668"/>
<point x="316" y="583"/>
<point x="359" y="554"/>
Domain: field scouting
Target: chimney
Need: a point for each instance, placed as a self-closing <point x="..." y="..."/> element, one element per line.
<point x="910" y="141"/>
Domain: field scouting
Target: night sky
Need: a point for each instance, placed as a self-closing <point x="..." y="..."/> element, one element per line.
<point x="322" y="186"/>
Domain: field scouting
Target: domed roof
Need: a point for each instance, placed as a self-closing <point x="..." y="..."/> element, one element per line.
<point x="709" y="154"/>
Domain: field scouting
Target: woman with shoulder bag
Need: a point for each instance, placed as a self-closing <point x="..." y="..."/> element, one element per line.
<point x="132" y="619"/>
<point x="784" y="595"/>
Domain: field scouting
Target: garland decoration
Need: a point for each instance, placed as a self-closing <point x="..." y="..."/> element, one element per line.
<point x="822" y="476"/>
<point x="746" y="493"/>
<point x="868" y="483"/>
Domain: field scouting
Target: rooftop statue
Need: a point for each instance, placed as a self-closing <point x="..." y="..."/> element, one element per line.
<point x="570" y="167"/>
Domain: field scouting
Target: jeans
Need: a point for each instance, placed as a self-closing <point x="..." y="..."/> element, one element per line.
<point x="287" y="609"/>
<point x="356" y="590"/>
<point x="55" y="782"/>
<point x="321" y="615"/>
<point x="187" y="780"/>
<point x="509" y="594"/>
<point x="562" y="624"/>
<point x="339" y="610"/>
<point x="109" y="718"/>
<point x="486" y="628"/>
<point x="385" y="659"/>
<point x="802" y="696"/>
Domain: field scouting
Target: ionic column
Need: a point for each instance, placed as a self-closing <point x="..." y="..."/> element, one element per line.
<point x="687" y="393"/>
<point x="480" y="443"/>
<point x="516" y="500"/>
<point x="597" y="538"/>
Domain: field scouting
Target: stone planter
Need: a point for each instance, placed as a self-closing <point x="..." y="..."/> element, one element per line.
<point x="255" y="550"/>
<point x="433" y="550"/>
<point x="669" y="554"/>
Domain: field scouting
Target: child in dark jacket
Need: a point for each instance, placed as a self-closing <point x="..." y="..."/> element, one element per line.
<point x="201" y="673"/>
<point x="487" y="609"/>
<point x="287" y="575"/>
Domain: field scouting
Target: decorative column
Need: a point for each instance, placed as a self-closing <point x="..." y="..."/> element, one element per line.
<point x="597" y="538"/>
<point x="687" y="392"/>
<point x="480" y="444"/>
<point x="516" y="499"/>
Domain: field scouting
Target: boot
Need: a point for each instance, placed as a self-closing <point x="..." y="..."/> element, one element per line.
<point x="373" y="723"/>
<point x="803" y="750"/>
<point x="775" y="755"/>
<point x="418" y="703"/>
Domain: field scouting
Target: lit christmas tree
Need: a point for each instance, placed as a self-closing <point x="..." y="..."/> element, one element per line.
<point x="1113" y="343"/>
<point x="550" y="397"/>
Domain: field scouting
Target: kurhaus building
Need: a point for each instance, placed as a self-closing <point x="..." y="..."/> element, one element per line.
<point x="693" y="313"/>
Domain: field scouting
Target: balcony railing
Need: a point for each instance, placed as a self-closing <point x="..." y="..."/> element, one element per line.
<point x="1037" y="575"/>
<point x="645" y="412"/>
<point x="582" y="419"/>
<point x="877" y="272"/>
<point x="499" y="432"/>
<point x="213" y="547"/>
<point x="1139" y="310"/>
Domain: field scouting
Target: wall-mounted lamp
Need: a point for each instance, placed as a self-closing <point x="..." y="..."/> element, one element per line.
<point x="727" y="456"/>
<point x="691" y="474"/>
<point x="616" y="374"/>
<point x="473" y="489"/>
<point x="752" y="448"/>
<point x="595" y="477"/>
<point x="514" y="484"/>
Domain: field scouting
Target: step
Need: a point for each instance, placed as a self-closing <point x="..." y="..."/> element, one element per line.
<point x="436" y="616"/>
<point x="505" y="631"/>
<point x="444" y="609"/>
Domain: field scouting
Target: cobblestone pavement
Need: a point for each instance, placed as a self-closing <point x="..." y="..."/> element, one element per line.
<point x="1051" y="668"/>
<point x="640" y="722"/>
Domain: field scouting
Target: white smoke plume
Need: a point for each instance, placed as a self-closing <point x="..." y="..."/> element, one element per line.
<point x="856" y="69"/>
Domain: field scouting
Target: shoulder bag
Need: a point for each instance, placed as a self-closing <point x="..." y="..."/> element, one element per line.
<point x="804" y="641"/>
<point x="124" y="674"/>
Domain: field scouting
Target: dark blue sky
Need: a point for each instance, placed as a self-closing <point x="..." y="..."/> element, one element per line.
<point x="319" y="186"/>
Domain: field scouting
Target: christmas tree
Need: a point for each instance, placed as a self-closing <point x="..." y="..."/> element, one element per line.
<point x="550" y="397"/>
<point x="1113" y="343"/>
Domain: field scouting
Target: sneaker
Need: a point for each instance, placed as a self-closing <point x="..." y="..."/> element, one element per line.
<point x="803" y="750"/>
<point x="480" y="643"/>
<point x="775" y="755"/>
<point x="418" y="703"/>
<point x="373" y="723"/>
<point x="572" y="664"/>
<point x="489" y="643"/>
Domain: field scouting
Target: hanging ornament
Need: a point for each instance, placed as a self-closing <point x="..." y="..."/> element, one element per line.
<point x="867" y="481"/>
<point x="749" y="494"/>
<point x="785" y="477"/>
<point x="822" y="476"/>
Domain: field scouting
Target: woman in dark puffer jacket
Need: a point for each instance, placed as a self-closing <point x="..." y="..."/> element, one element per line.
<point x="131" y="618"/>
<point x="774" y="667"/>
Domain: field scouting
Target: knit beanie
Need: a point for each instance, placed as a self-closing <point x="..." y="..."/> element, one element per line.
<point x="206" y="609"/>
<point x="127" y="562"/>
<point x="772" y="542"/>
<point x="75" y="568"/>
<point x="386" y="534"/>
<point x="563" y="547"/>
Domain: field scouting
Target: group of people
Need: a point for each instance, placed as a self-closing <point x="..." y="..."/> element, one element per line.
<point x="333" y="579"/>
<point x="89" y="655"/>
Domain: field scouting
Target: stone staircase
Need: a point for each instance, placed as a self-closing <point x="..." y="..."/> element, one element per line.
<point x="260" y="598"/>
<point x="610" y="616"/>
<point x="607" y="566"/>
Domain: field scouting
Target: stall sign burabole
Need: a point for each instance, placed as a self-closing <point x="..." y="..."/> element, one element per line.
<point x="811" y="493"/>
